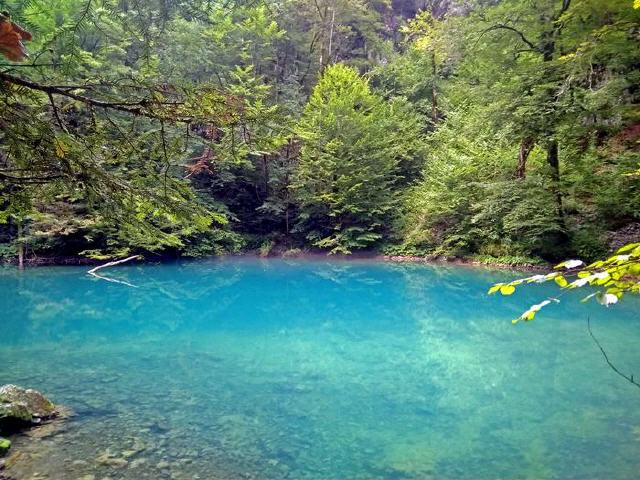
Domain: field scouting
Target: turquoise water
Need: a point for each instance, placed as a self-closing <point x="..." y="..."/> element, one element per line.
<point x="314" y="369"/>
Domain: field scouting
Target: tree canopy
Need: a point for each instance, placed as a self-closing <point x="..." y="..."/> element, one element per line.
<point x="497" y="130"/>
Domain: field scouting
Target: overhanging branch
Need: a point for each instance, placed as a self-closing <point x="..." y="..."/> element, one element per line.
<point x="143" y="108"/>
<point x="30" y="179"/>
<point x="502" y="26"/>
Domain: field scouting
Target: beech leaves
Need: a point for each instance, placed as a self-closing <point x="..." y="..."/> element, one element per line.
<point x="613" y="277"/>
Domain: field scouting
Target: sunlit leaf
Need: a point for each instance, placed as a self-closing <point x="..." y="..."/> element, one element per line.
<point x="507" y="289"/>
<point x="569" y="264"/>
<point x="531" y="313"/>
<point x="588" y="297"/>
<point x="561" y="281"/>
<point x="607" y="299"/>
<point x="629" y="247"/>
<point x="61" y="148"/>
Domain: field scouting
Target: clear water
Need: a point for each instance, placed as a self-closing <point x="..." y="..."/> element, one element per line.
<point x="313" y="369"/>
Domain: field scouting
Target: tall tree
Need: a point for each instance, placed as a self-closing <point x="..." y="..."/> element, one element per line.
<point x="357" y="151"/>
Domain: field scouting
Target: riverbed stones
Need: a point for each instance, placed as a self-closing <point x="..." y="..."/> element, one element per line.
<point x="20" y="406"/>
<point x="111" y="460"/>
<point x="138" y="462"/>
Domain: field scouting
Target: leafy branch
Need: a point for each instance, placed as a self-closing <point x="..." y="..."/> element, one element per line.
<point x="154" y="108"/>
<point x="614" y="277"/>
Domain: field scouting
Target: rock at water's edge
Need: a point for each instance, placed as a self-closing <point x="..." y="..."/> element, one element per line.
<point x="23" y="406"/>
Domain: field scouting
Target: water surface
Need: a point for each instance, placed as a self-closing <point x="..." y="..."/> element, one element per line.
<point x="314" y="369"/>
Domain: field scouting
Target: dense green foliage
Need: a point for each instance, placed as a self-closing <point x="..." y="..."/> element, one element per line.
<point x="536" y="126"/>
<point x="486" y="129"/>
<point x="358" y="151"/>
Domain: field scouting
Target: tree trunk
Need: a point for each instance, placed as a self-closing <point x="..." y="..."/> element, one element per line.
<point x="333" y="21"/>
<point x="20" y="247"/>
<point x="286" y="219"/>
<point x="553" y="159"/>
<point x="434" y="90"/>
<point x="265" y="174"/>
<point x="526" y="145"/>
<point x="548" y="44"/>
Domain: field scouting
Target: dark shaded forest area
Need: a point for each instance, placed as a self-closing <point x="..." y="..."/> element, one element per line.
<point x="503" y="131"/>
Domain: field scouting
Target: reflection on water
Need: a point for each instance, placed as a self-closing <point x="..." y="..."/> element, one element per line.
<point x="312" y="369"/>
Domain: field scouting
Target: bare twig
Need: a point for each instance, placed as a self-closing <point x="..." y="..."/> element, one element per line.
<point x="630" y="378"/>
<point x="56" y="113"/>
<point x="501" y="26"/>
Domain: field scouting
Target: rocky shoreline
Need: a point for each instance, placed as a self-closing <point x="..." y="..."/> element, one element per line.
<point x="20" y="410"/>
<point x="431" y="259"/>
<point x="462" y="261"/>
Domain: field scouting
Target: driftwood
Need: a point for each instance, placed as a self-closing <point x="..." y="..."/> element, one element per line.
<point x="93" y="271"/>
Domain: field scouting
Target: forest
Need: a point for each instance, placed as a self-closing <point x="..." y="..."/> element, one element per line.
<point x="504" y="131"/>
<point x="376" y="151"/>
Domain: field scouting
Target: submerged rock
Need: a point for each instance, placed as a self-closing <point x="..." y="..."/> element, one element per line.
<point x="23" y="407"/>
<point x="111" y="460"/>
<point x="3" y="475"/>
<point x="20" y="408"/>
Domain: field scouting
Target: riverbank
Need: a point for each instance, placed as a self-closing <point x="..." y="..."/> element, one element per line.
<point x="507" y="263"/>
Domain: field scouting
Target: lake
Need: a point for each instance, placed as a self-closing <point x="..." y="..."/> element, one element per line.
<point x="317" y="369"/>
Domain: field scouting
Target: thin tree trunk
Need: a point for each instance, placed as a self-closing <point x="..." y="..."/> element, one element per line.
<point x="553" y="158"/>
<point x="265" y="174"/>
<point x="20" y="246"/>
<point x="434" y="91"/>
<point x="286" y="219"/>
<point x="549" y="40"/>
<point x="526" y="145"/>
<point x="333" y="21"/>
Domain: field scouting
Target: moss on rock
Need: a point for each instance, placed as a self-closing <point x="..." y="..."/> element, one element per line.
<point x="19" y="406"/>
<point x="5" y="445"/>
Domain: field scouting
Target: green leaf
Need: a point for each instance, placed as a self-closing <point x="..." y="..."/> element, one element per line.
<point x="507" y="289"/>
<point x="561" y="281"/>
<point x="628" y="247"/>
<point x="607" y="299"/>
<point x="570" y="264"/>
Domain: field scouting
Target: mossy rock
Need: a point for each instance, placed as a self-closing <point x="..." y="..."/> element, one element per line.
<point x="14" y="411"/>
<point x="5" y="445"/>
<point x="19" y="406"/>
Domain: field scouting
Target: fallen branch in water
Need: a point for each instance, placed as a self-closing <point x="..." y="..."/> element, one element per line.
<point x="93" y="271"/>
<point x="113" y="264"/>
